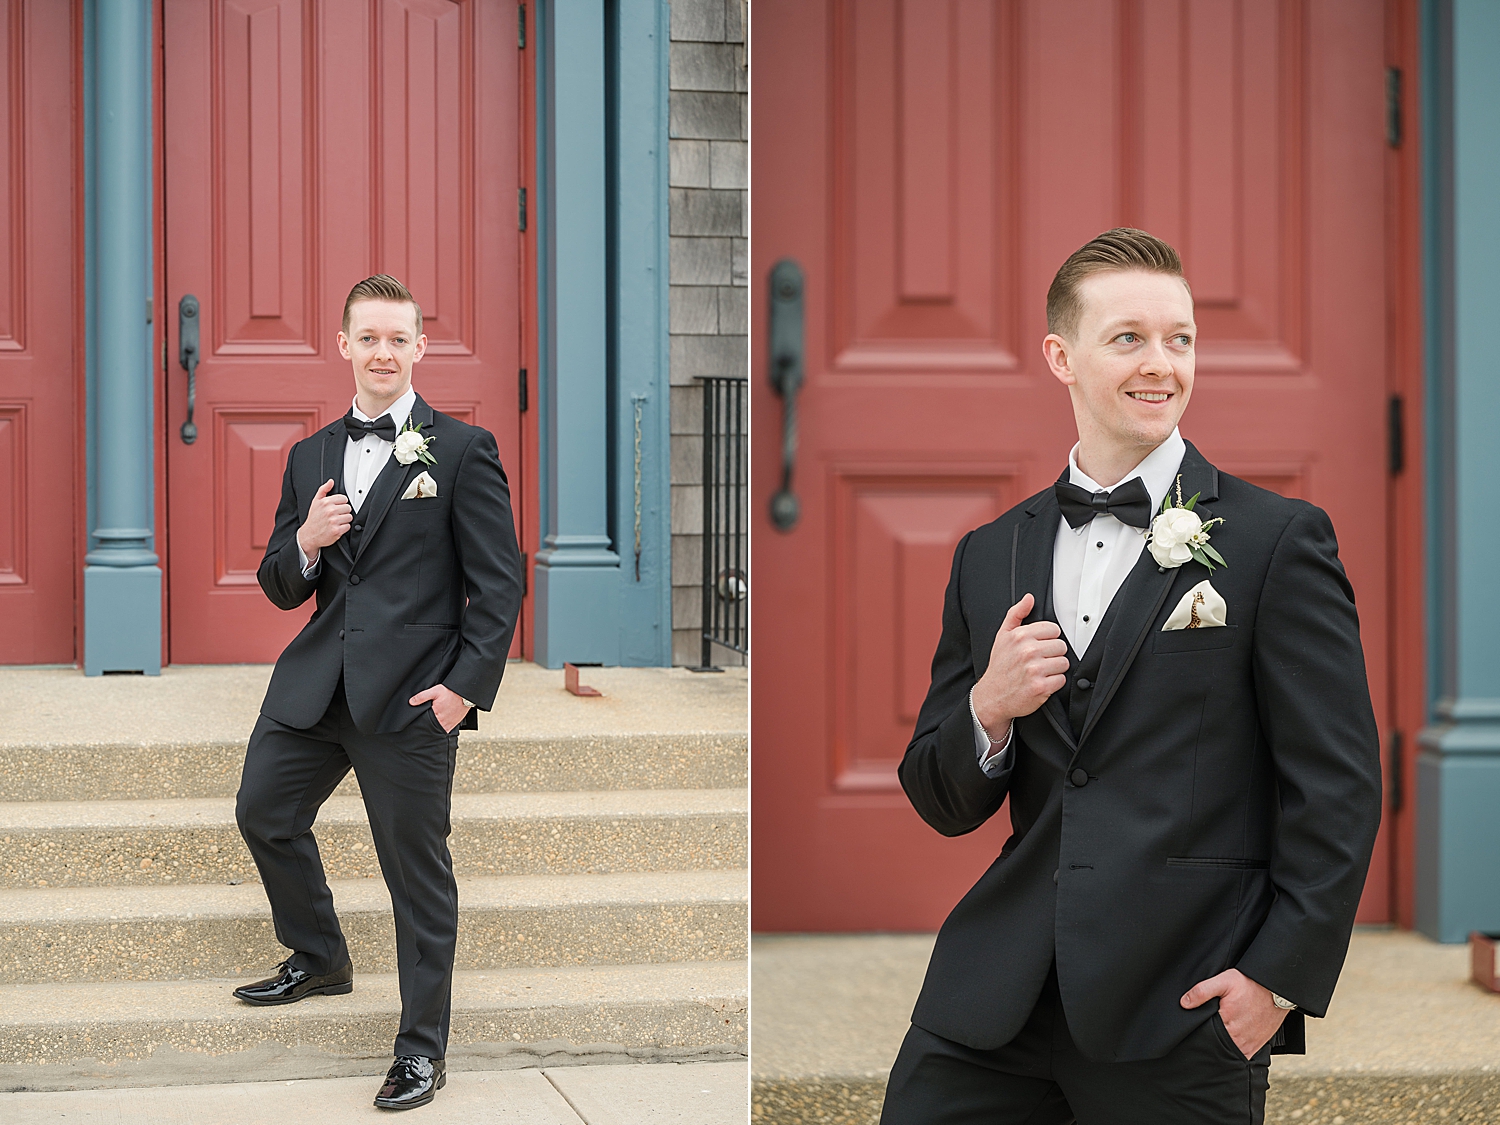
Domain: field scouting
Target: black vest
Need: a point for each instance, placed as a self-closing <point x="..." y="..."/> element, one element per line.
<point x="1083" y="673"/>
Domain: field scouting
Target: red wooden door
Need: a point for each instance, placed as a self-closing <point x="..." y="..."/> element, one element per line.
<point x="40" y="323"/>
<point x="309" y="144"/>
<point x="931" y="163"/>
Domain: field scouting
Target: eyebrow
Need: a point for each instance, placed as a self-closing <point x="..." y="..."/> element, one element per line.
<point x="1125" y="325"/>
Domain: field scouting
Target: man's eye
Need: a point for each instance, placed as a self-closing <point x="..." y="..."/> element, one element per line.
<point x="1185" y="341"/>
<point x="1127" y="337"/>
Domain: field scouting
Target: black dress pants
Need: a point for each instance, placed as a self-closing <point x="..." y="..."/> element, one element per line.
<point x="406" y="779"/>
<point x="1040" y="1078"/>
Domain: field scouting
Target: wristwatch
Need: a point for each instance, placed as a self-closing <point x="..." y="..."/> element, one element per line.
<point x="1283" y="1003"/>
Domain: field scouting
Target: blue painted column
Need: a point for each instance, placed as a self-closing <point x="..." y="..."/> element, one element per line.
<point x="1458" y="773"/>
<point x="641" y="385"/>
<point x="122" y="586"/>
<point x="577" y="570"/>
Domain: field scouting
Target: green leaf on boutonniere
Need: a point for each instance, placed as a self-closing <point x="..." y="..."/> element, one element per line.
<point x="1213" y="554"/>
<point x="1194" y="500"/>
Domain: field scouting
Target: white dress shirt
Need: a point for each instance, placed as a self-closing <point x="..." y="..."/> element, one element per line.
<point x="363" y="460"/>
<point x="1089" y="565"/>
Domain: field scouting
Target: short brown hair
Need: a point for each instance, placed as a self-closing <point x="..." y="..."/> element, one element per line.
<point x="1123" y="248"/>
<point x="381" y="287"/>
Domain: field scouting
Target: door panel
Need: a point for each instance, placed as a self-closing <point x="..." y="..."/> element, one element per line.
<point x="40" y="318"/>
<point x="309" y="144"/>
<point x="934" y="161"/>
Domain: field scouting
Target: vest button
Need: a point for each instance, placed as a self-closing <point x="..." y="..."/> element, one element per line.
<point x="354" y="580"/>
<point x="1079" y="777"/>
<point x="1084" y="683"/>
<point x="359" y="527"/>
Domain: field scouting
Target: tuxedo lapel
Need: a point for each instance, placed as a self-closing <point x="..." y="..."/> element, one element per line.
<point x="391" y="482"/>
<point x="1145" y="589"/>
<point x="335" y="440"/>
<point x="1031" y="573"/>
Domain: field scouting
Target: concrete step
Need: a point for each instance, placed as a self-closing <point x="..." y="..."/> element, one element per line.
<point x="196" y="840"/>
<point x="70" y="1036"/>
<point x="705" y="1093"/>
<point x="126" y="770"/>
<point x="1407" y="1037"/>
<point x="180" y="932"/>
<point x="182" y="734"/>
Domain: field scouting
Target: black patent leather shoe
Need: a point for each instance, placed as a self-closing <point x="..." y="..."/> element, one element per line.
<point x="413" y="1080"/>
<point x="290" y="985"/>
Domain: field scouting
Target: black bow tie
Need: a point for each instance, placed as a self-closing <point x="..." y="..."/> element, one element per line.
<point x="384" y="426"/>
<point x="1130" y="503"/>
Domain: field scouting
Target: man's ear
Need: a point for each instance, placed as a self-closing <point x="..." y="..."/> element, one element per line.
<point x="420" y="350"/>
<point x="343" y="342"/>
<point x="1057" y="350"/>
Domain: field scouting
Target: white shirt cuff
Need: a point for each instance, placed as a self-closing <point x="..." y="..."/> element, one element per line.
<point x="309" y="571"/>
<point x="993" y="756"/>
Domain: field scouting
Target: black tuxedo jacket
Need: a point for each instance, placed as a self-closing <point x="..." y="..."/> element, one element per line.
<point x="419" y="592"/>
<point x="1230" y="796"/>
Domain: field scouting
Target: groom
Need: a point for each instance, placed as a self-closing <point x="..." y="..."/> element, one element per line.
<point x="397" y="519"/>
<point x="1182" y="725"/>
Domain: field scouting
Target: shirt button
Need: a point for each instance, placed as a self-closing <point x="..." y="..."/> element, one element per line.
<point x="1099" y="544"/>
<point x="1079" y="777"/>
<point x="1085" y="618"/>
<point x="354" y="580"/>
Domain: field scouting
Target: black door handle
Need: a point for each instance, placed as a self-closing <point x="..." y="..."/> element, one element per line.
<point x="188" y="355"/>
<point x="786" y="380"/>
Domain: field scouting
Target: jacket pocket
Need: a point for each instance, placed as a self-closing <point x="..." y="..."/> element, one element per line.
<point x="1218" y="861"/>
<point x="1195" y="640"/>
<point x="451" y="628"/>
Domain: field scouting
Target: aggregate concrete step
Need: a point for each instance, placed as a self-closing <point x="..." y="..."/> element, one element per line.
<point x="71" y="1036"/>
<point x="196" y="840"/>
<point x="141" y="770"/>
<point x="180" y="932"/>
<point x="68" y="737"/>
<point x="1407" y="1037"/>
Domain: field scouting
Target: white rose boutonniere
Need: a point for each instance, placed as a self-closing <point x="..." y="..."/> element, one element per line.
<point x="1178" y="534"/>
<point x="412" y="446"/>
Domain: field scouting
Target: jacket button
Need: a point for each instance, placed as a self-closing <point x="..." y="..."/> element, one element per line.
<point x="341" y="634"/>
<point x="354" y="580"/>
<point x="1079" y="777"/>
<point x="1084" y="683"/>
<point x="1054" y="874"/>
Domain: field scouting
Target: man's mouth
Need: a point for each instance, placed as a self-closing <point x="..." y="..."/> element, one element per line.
<point x="382" y="371"/>
<point x="1149" y="396"/>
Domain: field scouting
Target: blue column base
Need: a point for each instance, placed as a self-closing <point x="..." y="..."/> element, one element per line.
<point x="121" y="619"/>
<point x="1458" y="830"/>
<point x="575" y="618"/>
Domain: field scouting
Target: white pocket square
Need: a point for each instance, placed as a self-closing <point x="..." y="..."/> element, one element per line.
<point x="423" y="488"/>
<point x="1202" y="607"/>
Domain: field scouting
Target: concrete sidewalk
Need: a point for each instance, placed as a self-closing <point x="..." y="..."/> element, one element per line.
<point x="1407" y="1037"/>
<point x="643" y="1094"/>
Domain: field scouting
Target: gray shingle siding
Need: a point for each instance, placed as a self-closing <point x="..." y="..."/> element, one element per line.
<point x="709" y="272"/>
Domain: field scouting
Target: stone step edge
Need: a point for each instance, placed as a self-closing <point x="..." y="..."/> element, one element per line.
<point x="125" y="770"/>
<point x="41" y="906"/>
<point x="1368" y="1097"/>
<point x="686" y="1005"/>
<point x="217" y="812"/>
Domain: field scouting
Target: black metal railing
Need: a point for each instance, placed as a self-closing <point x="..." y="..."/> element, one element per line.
<point x="726" y="581"/>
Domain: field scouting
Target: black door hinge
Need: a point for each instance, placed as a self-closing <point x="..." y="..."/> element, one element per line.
<point x="524" y="397"/>
<point x="1397" y="787"/>
<point x="1393" y="106"/>
<point x="521" y="26"/>
<point x="525" y="573"/>
<point x="521" y="214"/>
<point x="1396" y="435"/>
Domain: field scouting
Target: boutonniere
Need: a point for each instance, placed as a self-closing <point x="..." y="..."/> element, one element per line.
<point x="412" y="446"/>
<point x="1178" y="534"/>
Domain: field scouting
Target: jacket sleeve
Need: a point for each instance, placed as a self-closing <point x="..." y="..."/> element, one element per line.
<point x="485" y="537"/>
<point x="1315" y="710"/>
<point x="940" y="771"/>
<point x="280" y="571"/>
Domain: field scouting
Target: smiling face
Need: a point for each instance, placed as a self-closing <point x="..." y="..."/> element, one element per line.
<point x="382" y="344"/>
<point x="1128" y="369"/>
